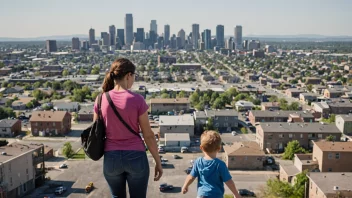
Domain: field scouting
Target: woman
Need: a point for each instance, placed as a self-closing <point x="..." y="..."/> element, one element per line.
<point x="125" y="158"/>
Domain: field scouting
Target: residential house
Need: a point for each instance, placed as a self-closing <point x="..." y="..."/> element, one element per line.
<point x="12" y="90"/>
<point x="344" y="123"/>
<point x="243" y="105"/>
<point x="176" y="124"/>
<point x="318" y="89"/>
<point x="223" y="120"/>
<point x="312" y="81"/>
<point x="270" y="106"/>
<point x="243" y="156"/>
<point x="86" y="112"/>
<point x="330" y="185"/>
<point x="274" y="136"/>
<point x="321" y="107"/>
<point x="308" y="97"/>
<point x="45" y="123"/>
<point x="163" y="105"/>
<point x="333" y="156"/>
<point x="21" y="103"/>
<point x="166" y="59"/>
<point x="256" y="116"/>
<point x="273" y="85"/>
<point x="182" y="67"/>
<point x="3" y="101"/>
<point x="294" y="92"/>
<point x="66" y="106"/>
<point x="342" y="107"/>
<point x="5" y="71"/>
<point x="333" y="93"/>
<point x="51" y="70"/>
<point x="10" y="127"/>
<point x="22" y="169"/>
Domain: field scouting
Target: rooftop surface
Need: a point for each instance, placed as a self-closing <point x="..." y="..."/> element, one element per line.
<point x="177" y="137"/>
<point x="286" y="114"/>
<point x="334" y="146"/>
<point x="327" y="180"/>
<point x="283" y="127"/>
<point x="45" y="116"/>
<point x="345" y="117"/>
<point x="15" y="149"/>
<point x="183" y="120"/>
<point x="243" y="148"/>
<point x="170" y="101"/>
<point x="4" y="123"/>
<point x="222" y="112"/>
<point x="290" y="169"/>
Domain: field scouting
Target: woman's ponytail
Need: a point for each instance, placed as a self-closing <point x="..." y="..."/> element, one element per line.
<point x="108" y="83"/>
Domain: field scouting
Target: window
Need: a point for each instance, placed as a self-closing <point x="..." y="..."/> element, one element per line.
<point x="329" y="155"/>
<point x="245" y="158"/>
<point x="301" y="135"/>
<point x="10" y="181"/>
<point x="53" y="123"/>
<point x="24" y="187"/>
<point x="232" y="158"/>
<point x="226" y="124"/>
<point x="226" y="118"/>
<point x="290" y="135"/>
<point x="329" y="169"/>
<point x="36" y="124"/>
<point x="337" y="155"/>
<point x="26" y="170"/>
<point x="4" y="130"/>
<point x="216" y="124"/>
<point x="10" y="167"/>
<point x="281" y="135"/>
<point x="320" y="136"/>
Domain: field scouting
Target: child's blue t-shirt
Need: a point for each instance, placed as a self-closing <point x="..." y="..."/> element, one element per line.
<point x="211" y="176"/>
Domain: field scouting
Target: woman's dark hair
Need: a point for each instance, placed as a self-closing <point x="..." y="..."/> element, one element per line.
<point x="119" y="68"/>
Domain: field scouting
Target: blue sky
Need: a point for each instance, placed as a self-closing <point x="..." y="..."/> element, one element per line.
<point x="32" y="18"/>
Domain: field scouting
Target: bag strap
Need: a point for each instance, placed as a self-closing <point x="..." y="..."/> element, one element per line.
<point x="100" y="115"/>
<point x="119" y="116"/>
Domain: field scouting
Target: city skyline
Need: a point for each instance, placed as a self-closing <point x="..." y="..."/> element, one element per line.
<point x="259" y="18"/>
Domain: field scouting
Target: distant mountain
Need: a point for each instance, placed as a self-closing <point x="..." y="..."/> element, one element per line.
<point x="43" y="38"/>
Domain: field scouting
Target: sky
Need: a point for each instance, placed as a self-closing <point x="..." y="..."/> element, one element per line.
<point x="35" y="18"/>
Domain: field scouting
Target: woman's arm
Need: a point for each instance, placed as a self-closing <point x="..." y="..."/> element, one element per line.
<point x="149" y="139"/>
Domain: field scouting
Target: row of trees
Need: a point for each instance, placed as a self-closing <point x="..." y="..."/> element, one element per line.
<point x="294" y="106"/>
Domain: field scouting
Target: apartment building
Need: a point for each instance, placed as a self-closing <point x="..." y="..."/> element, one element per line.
<point x="10" y="127"/>
<point x="274" y="136"/>
<point x="333" y="93"/>
<point x="344" y="123"/>
<point x="163" y="105"/>
<point x="272" y="106"/>
<point x="244" y="156"/>
<point x="21" y="169"/>
<point x="224" y="120"/>
<point x="44" y="123"/>
<point x="293" y="93"/>
<point x="255" y="116"/>
<point x="176" y="124"/>
<point x="330" y="185"/>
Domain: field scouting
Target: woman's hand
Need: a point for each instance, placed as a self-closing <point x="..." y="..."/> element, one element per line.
<point x="158" y="172"/>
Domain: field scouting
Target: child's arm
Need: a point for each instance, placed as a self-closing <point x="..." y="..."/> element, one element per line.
<point x="231" y="185"/>
<point x="189" y="180"/>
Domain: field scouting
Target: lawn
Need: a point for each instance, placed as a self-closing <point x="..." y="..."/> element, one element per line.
<point x="79" y="155"/>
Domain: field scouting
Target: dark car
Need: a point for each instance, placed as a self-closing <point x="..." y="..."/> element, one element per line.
<point x="177" y="157"/>
<point x="165" y="187"/>
<point x="245" y="192"/>
<point x="188" y="170"/>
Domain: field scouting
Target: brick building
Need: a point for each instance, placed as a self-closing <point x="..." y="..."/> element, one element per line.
<point x="255" y="116"/>
<point x="10" y="127"/>
<point x="45" y="123"/>
<point x="163" y="105"/>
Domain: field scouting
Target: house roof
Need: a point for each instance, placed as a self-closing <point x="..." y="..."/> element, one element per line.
<point x="270" y="104"/>
<point x="6" y="123"/>
<point x="327" y="180"/>
<point x="290" y="169"/>
<point x="283" y="127"/>
<point x="294" y="90"/>
<point x="48" y="116"/>
<point x="169" y="101"/>
<point x="183" y="120"/>
<point x="285" y="114"/>
<point x="23" y="100"/>
<point x="15" y="149"/>
<point x="200" y="114"/>
<point x="65" y="104"/>
<point x="243" y="148"/>
<point x="334" y="146"/>
<point x="243" y="103"/>
<point x="222" y="112"/>
<point x="345" y="118"/>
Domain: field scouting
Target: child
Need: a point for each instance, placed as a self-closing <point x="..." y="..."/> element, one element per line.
<point x="211" y="172"/>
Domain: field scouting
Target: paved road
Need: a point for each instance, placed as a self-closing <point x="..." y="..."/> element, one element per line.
<point x="80" y="173"/>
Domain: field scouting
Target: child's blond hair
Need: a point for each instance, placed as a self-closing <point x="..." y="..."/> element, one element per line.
<point x="210" y="141"/>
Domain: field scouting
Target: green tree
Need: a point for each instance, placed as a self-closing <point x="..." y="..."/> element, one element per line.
<point x="65" y="72"/>
<point x="182" y="94"/>
<point x="27" y="87"/>
<point x="38" y="95"/>
<point x="95" y="70"/>
<point x="244" y="130"/>
<point x="56" y="85"/>
<point x="330" y="138"/>
<point x="82" y="71"/>
<point x="8" y="103"/>
<point x="194" y="98"/>
<point x="165" y="95"/>
<point x="209" y="124"/>
<point x="163" y="91"/>
<point x="69" y="85"/>
<point x="94" y="95"/>
<point x="4" y="84"/>
<point x="310" y="87"/>
<point x="200" y="106"/>
<point x="218" y="104"/>
<point x="67" y="150"/>
<point x="294" y="106"/>
<point x="291" y="149"/>
<point x="36" y="85"/>
<point x="6" y="113"/>
<point x="30" y="105"/>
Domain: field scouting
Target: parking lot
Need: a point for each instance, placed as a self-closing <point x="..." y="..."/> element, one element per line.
<point x="80" y="173"/>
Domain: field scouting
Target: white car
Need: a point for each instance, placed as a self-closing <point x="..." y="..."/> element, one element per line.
<point x="234" y="133"/>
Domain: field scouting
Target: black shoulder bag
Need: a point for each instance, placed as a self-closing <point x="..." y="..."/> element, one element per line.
<point x="120" y="118"/>
<point x="93" y="138"/>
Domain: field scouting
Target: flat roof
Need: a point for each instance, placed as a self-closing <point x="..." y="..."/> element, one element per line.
<point x="244" y="148"/>
<point x="304" y="127"/>
<point x="259" y="113"/>
<point x="183" y="120"/>
<point x="222" y="112"/>
<point x="334" y="146"/>
<point x="345" y="117"/>
<point x="290" y="169"/>
<point x="177" y="137"/>
<point x="16" y="149"/>
<point x="169" y="101"/>
<point x="327" y="180"/>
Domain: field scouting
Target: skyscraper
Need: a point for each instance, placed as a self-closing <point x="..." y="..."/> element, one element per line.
<point x="173" y="42"/>
<point x="167" y="34"/>
<point x="112" y="32"/>
<point x="207" y="39"/>
<point x="220" y="35"/>
<point x="153" y="26"/>
<point x="121" y="37"/>
<point x="140" y="35"/>
<point x="128" y="29"/>
<point x="238" y="36"/>
<point x="75" y="43"/>
<point x="195" y="36"/>
<point x="106" y="38"/>
<point x="182" y="35"/>
<point x="91" y="36"/>
<point x="51" y="46"/>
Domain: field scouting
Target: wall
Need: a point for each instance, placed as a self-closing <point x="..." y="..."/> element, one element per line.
<point x="343" y="164"/>
<point x="176" y="129"/>
<point x="240" y="162"/>
<point x="173" y="143"/>
<point x="155" y="108"/>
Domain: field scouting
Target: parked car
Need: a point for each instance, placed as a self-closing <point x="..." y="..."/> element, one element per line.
<point x="245" y="192"/>
<point x="60" y="190"/>
<point x="163" y="163"/>
<point x="184" y="149"/>
<point x="188" y="170"/>
<point x="177" y="157"/>
<point x="165" y="187"/>
<point x="63" y="166"/>
<point x="233" y="133"/>
<point x="161" y="150"/>
<point x="164" y="160"/>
